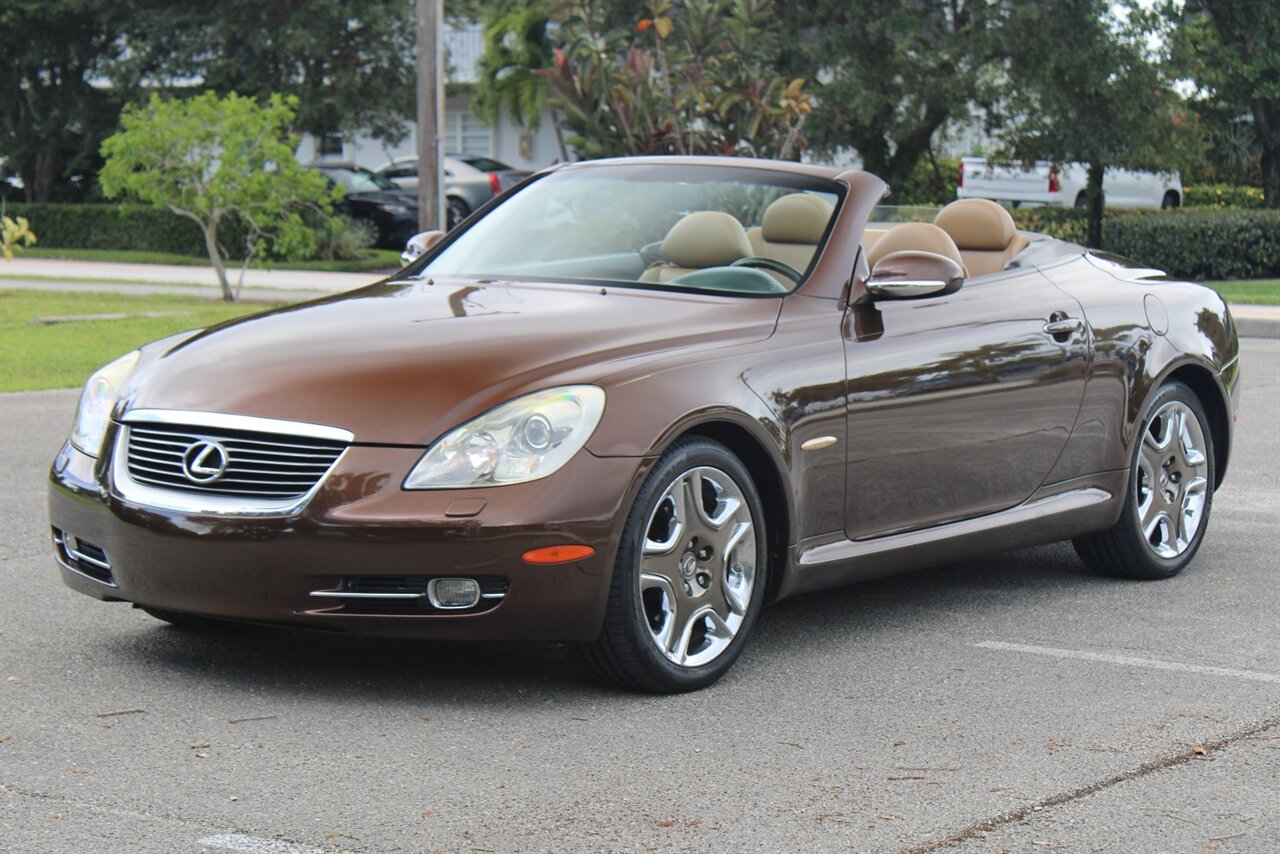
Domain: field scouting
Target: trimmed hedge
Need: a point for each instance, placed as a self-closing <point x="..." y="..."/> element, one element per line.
<point x="1222" y="196"/>
<point x="1201" y="245"/>
<point x="1197" y="243"/>
<point x="107" y="226"/>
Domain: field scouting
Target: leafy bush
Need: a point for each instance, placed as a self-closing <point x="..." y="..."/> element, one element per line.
<point x="1198" y="243"/>
<point x="345" y="242"/>
<point x="1201" y="245"/>
<point x="1222" y="196"/>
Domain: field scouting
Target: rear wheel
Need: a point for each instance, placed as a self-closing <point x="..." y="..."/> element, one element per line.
<point x="1169" y="201"/>
<point x="457" y="212"/>
<point x="689" y="580"/>
<point x="1166" y="511"/>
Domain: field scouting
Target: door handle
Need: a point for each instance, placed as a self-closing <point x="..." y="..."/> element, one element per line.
<point x="1063" y="326"/>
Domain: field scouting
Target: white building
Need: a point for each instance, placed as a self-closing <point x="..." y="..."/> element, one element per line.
<point x="464" y="132"/>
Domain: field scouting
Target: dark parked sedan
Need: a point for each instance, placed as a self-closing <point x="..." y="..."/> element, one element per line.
<point x="637" y="401"/>
<point x="391" y="212"/>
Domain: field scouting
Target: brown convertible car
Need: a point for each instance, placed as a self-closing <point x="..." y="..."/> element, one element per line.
<point x="631" y="402"/>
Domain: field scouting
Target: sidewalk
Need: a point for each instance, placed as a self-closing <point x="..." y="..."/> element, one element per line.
<point x="1257" y="321"/>
<point x="305" y="280"/>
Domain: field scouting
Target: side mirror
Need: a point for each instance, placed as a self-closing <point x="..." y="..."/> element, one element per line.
<point x="419" y="244"/>
<point x="913" y="273"/>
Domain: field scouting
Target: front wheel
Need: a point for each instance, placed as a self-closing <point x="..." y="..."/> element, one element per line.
<point x="689" y="580"/>
<point x="1166" y="510"/>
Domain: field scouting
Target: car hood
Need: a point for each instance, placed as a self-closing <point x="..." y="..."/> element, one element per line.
<point x="404" y="362"/>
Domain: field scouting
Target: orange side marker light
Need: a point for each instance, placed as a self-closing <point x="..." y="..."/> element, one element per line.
<point x="557" y="554"/>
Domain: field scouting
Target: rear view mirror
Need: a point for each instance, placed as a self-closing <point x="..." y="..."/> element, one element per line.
<point x="419" y="244"/>
<point x="913" y="273"/>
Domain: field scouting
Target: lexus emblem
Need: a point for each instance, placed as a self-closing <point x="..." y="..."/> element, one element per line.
<point x="204" y="461"/>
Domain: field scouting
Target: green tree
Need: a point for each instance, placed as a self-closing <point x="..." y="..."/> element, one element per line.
<point x="688" y="77"/>
<point x="1081" y="87"/>
<point x="212" y="159"/>
<point x="52" y="116"/>
<point x="348" y="62"/>
<point x="893" y="73"/>
<point x="1231" y="49"/>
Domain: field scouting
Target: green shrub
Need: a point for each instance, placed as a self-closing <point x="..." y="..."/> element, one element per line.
<point x="347" y="240"/>
<point x="105" y="226"/>
<point x="1222" y="196"/>
<point x="1198" y="243"/>
<point x="1201" y="244"/>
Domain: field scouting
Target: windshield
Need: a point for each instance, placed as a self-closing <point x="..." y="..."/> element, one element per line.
<point x="358" y="180"/>
<point x="720" y="228"/>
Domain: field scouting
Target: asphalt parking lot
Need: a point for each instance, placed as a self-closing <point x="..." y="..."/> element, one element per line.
<point x="1010" y="704"/>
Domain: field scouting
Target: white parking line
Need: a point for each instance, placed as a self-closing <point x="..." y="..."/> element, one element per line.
<point x="254" y="844"/>
<point x="1128" y="661"/>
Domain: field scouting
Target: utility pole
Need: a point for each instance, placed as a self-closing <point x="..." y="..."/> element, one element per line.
<point x="430" y="62"/>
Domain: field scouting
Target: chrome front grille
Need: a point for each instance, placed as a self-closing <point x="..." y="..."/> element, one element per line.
<point x="257" y="465"/>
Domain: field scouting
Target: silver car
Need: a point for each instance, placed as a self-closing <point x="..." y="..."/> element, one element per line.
<point x="469" y="181"/>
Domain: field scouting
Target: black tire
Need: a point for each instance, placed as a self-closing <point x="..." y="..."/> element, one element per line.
<point x="626" y="653"/>
<point x="188" y="622"/>
<point x="1170" y="201"/>
<point x="1123" y="551"/>
<point x="1082" y="201"/>
<point x="457" y="211"/>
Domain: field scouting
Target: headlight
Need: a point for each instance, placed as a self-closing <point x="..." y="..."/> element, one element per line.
<point x="395" y="210"/>
<point x="525" y="439"/>
<point x="100" y="394"/>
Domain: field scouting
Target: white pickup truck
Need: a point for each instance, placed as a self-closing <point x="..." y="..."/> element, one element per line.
<point x="1064" y="185"/>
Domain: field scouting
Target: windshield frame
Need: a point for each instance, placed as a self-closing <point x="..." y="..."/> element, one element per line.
<point x="749" y="173"/>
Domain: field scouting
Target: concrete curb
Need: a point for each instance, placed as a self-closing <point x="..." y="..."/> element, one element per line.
<point x="1257" y="321"/>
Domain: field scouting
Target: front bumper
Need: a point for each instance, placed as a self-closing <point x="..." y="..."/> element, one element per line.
<point x="359" y="527"/>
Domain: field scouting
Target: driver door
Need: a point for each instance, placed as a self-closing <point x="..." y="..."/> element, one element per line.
<point x="957" y="405"/>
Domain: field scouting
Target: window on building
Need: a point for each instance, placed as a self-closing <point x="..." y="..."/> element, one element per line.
<point x="466" y="134"/>
<point x="329" y="146"/>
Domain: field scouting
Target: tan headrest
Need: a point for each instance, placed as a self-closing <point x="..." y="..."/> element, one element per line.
<point x="797" y="218"/>
<point x="977" y="224"/>
<point x="706" y="239"/>
<point x="920" y="236"/>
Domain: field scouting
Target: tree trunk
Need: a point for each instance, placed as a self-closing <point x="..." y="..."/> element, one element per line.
<point x="1093" y="192"/>
<point x="215" y="258"/>
<point x="1264" y="119"/>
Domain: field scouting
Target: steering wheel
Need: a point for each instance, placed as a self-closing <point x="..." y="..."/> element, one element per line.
<point x="770" y="264"/>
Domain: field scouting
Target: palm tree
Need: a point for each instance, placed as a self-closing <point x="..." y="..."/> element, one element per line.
<point x="512" y="71"/>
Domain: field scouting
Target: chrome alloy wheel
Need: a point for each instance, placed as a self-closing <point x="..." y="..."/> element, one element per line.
<point x="698" y="567"/>
<point x="1172" y="479"/>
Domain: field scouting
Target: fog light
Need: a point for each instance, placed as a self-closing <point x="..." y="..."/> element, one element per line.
<point x="451" y="593"/>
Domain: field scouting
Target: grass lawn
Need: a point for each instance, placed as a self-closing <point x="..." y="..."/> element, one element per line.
<point x="375" y="260"/>
<point x="35" y="355"/>
<point x="1256" y="291"/>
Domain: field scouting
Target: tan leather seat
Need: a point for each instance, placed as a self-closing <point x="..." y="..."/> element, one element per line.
<point x="699" y="240"/>
<point x="919" y="236"/>
<point x="791" y="229"/>
<point x="984" y="233"/>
